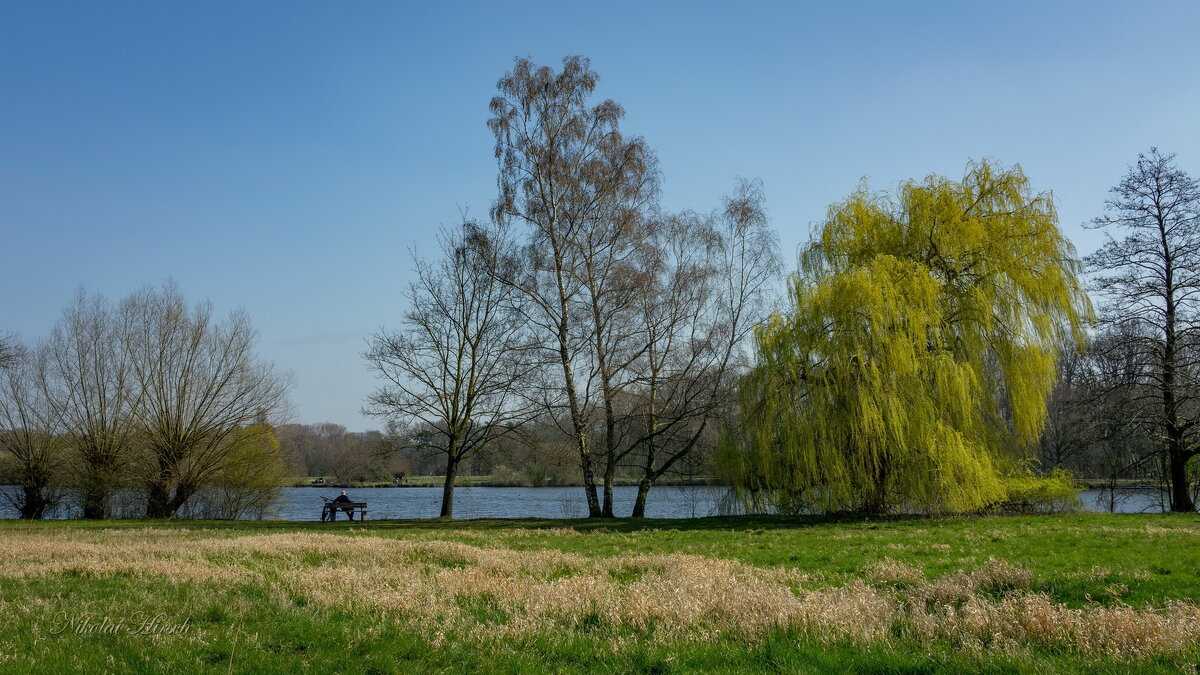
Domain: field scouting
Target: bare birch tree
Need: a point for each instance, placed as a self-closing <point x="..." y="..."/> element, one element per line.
<point x="451" y="371"/>
<point x="568" y="173"/>
<point x="710" y="284"/>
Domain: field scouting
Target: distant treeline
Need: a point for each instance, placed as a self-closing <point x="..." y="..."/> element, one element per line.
<point x="537" y="458"/>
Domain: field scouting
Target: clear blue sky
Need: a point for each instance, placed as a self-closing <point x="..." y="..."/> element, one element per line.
<point x="284" y="156"/>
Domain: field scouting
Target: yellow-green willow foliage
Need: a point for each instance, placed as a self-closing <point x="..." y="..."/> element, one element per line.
<point x="918" y="350"/>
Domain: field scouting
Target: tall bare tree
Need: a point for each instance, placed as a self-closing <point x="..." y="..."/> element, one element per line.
<point x="567" y="172"/>
<point x="1150" y="281"/>
<point x="451" y="371"/>
<point x="612" y="274"/>
<point x="201" y="391"/>
<point x="29" y="455"/>
<point x="88" y="381"/>
<point x="709" y="285"/>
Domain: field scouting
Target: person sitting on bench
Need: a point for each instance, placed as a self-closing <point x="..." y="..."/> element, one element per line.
<point x="343" y="499"/>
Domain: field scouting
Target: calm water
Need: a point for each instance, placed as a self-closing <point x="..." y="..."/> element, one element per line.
<point x="550" y="502"/>
<point x="560" y="502"/>
<point x="502" y="502"/>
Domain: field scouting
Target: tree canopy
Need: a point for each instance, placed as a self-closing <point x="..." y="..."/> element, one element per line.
<point x="918" y="349"/>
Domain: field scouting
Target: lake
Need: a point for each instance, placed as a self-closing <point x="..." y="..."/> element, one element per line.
<point x="568" y="502"/>
<point x="502" y="502"/>
<point x="551" y="502"/>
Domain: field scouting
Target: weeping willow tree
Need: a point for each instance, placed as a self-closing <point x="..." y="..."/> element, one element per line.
<point x="917" y="352"/>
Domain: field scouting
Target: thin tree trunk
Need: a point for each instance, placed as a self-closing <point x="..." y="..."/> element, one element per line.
<point x="876" y="502"/>
<point x="577" y="422"/>
<point x="589" y="479"/>
<point x="648" y="477"/>
<point x="448" y="488"/>
<point x="1177" y="457"/>
<point x="639" y="504"/>
<point x="610" y="472"/>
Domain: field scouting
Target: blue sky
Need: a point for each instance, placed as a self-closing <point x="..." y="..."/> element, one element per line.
<point x="285" y="156"/>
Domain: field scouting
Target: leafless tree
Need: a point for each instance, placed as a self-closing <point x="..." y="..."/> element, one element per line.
<point x="611" y="279"/>
<point x="1150" y="282"/>
<point x="30" y="458"/>
<point x="1069" y="432"/>
<point x="327" y="449"/>
<point x="451" y="371"/>
<point x="710" y="282"/>
<point x="200" y="387"/>
<point x="88" y="382"/>
<point x="10" y="350"/>
<point x="1096" y="427"/>
<point x="567" y="172"/>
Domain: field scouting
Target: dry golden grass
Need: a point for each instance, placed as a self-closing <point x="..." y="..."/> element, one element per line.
<point x="493" y="594"/>
<point x="889" y="571"/>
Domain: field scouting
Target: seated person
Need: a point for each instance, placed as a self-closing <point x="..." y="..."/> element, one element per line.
<point x="343" y="499"/>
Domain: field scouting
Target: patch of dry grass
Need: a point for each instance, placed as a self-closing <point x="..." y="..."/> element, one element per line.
<point x="494" y="594"/>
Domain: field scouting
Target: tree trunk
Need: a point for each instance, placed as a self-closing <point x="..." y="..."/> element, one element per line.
<point x="448" y="489"/>
<point x="589" y="482"/>
<point x="94" y="499"/>
<point x="158" y="498"/>
<point x="577" y="422"/>
<point x="158" y="501"/>
<point x="1181" y="497"/>
<point x="33" y="506"/>
<point x="639" y="504"/>
<point x="610" y="472"/>
<point x="877" y="499"/>
<point x="1177" y="457"/>
<point x="166" y="497"/>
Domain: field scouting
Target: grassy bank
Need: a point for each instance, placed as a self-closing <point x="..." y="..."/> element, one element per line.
<point x="1072" y="593"/>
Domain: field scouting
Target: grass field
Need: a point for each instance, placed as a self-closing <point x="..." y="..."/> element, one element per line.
<point x="1071" y="593"/>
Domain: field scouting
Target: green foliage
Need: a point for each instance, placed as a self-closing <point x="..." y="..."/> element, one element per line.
<point x="249" y="480"/>
<point x="1054" y="491"/>
<point x="919" y="347"/>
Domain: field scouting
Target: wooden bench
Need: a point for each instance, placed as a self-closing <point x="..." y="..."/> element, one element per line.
<point x="331" y="508"/>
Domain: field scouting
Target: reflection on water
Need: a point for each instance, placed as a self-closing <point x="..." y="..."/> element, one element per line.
<point x="1125" y="500"/>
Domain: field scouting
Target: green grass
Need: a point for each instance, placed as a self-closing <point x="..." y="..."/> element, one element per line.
<point x="1139" y="560"/>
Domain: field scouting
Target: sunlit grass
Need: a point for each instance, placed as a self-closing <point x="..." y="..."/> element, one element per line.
<point x="1045" y="593"/>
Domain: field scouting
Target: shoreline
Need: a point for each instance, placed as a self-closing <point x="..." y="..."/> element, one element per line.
<point x="357" y="486"/>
